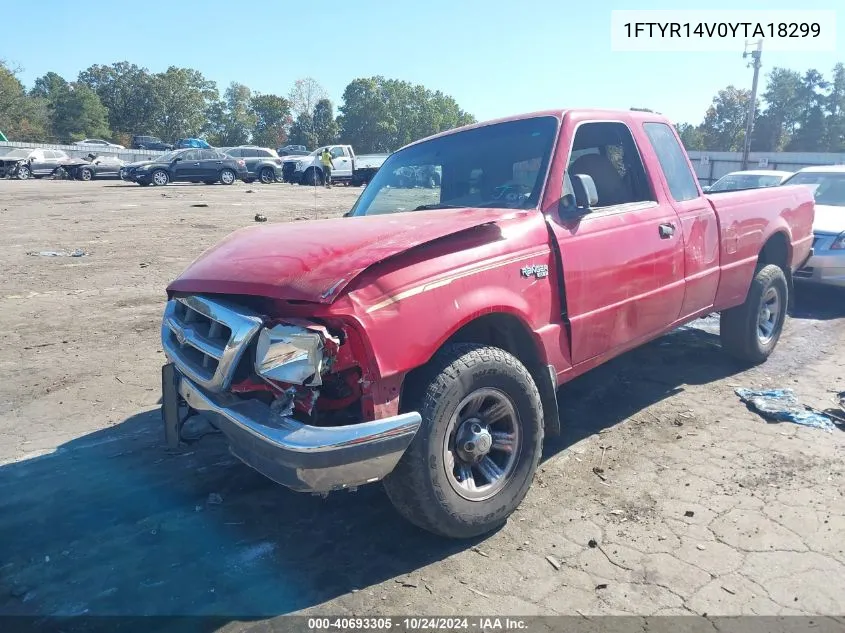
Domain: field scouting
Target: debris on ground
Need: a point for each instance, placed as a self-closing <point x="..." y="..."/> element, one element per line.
<point x="781" y="405"/>
<point x="700" y="547"/>
<point x="214" y="499"/>
<point x="730" y="591"/>
<point x="250" y="191"/>
<point x="75" y="253"/>
<point x="260" y="218"/>
<point x="592" y="543"/>
<point x="689" y="513"/>
<point x="477" y="592"/>
<point x="478" y="551"/>
<point x="144" y="264"/>
<point x="600" y="472"/>
<point x="200" y="204"/>
<point x="554" y="562"/>
<point x="601" y="586"/>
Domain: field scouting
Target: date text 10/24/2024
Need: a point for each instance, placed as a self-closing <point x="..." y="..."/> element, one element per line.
<point x="420" y="623"/>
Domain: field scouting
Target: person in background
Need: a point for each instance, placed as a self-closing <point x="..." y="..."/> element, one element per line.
<point x="328" y="165"/>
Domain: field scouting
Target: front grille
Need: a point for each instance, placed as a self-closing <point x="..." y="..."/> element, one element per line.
<point x="205" y="338"/>
<point x="287" y="169"/>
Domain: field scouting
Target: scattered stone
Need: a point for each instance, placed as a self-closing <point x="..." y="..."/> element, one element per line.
<point x="592" y="543"/>
<point x="250" y="191"/>
<point x="214" y="499"/>
<point x="260" y="218"/>
<point x="689" y="513"/>
<point x="554" y="562"/>
<point x="700" y="547"/>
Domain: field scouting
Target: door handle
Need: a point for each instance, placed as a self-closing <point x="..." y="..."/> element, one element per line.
<point x="196" y="164"/>
<point x="666" y="231"/>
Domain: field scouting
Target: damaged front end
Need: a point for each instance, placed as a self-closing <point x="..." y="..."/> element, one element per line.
<point x="286" y="393"/>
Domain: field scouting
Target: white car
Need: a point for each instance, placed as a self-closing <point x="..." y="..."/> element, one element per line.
<point x="827" y="264"/>
<point x="749" y="179"/>
<point x="98" y="142"/>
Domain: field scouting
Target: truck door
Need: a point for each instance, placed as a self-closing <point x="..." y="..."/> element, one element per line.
<point x="697" y="216"/>
<point x="623" y="260"/>
<point x="342" y="162"/>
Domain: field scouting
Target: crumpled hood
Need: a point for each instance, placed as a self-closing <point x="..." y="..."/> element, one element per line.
<point x="829" y="219"/>
<point x="315" y="260"/>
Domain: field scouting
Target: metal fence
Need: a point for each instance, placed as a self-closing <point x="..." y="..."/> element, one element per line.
<point x="81" y="151"/>
<point x="710" y="166"/>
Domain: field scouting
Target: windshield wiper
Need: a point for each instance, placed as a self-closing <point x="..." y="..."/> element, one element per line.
<point x="430" y="207"/>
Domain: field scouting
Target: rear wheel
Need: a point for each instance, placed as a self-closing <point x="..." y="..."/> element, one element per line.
<point x="267" y="176"/>
<point x="159" y="178"/>
<point x="751" y="331"/>
<point x="227" y="176"/>
<point x="474" y="457"/>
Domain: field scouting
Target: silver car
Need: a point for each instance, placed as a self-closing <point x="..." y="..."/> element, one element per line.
<point x="827" y="264"/>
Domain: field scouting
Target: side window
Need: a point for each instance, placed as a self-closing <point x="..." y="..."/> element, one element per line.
<point x="672" y="160"/>
<point x="608" y="154"/>
<point x="191" y="155"/>
<point x="235" y="153"/>
<point x="338" y="152"/>
<point x="263" y="153"/>
<point x="207" y="154"/>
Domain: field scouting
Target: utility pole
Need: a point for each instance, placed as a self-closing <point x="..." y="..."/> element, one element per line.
<point x="749" y="124"/>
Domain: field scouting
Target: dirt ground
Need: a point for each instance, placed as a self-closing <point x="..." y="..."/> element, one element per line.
<point x="704" y="507"/>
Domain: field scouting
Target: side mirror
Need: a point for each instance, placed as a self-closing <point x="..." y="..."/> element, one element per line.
<point x="705" y="189"/>
<point x="583" y="198"/>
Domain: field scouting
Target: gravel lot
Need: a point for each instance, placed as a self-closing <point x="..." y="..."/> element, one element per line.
<point x="706" y="508"/>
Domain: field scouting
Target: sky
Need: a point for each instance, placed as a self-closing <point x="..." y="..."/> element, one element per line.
<point x="495" y="57"/>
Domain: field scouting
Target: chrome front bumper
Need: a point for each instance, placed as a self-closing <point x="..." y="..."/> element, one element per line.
<point x="302" y="457"/>
<point x="824" y="267"/>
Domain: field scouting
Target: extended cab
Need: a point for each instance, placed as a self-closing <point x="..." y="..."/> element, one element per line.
<point x="420" y="340"/>
<point x="308" y="170"/>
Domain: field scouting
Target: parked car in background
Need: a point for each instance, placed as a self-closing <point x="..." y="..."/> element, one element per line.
<point x="262" y="163"/>
<point x="420" y="340"/>
<point x="31" y="163"/>
<point x="99" y="143"/>
<point x="198" y="143"/>
<point x="750" y="179"/>
<point x="292" y="150"/>
<point x="150" y="142"/>
<point x="96" y="167"/>
<point x="187" y="165"/>
<point x="827" y="265"/>
<point x="308" y="170"/>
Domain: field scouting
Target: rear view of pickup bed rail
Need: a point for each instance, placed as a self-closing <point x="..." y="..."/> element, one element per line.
<point x="419" y="341"/>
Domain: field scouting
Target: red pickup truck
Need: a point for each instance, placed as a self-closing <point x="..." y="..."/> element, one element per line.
<point x="420" y="339"/>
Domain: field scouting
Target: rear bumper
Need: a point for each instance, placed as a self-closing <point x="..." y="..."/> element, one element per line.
<point x="302" y="457"/>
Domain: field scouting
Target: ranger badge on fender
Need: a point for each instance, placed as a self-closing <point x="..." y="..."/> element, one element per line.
<point x="537" y="270"/>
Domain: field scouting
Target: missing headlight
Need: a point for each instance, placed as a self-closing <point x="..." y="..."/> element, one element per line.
<point x="293" y="354"/>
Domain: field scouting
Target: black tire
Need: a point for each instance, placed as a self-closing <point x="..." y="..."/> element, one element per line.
<point x="313" y="177"/>
<point x="86" y="174"/>
<point x="746" y="331"/>
<point x="24" y="172"/>
<point x="228" y="177"/>
<point x="267" y="176"/>
<point x="423" y="487"/>
<point x="159" y="178"/>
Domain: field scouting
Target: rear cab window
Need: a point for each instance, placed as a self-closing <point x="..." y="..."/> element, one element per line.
<point x="673" y="162"/>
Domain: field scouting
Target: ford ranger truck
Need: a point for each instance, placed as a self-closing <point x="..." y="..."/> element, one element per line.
<point x="419" y="340"/>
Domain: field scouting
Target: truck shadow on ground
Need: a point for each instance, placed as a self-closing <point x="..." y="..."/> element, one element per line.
<point x="112" y="523"/>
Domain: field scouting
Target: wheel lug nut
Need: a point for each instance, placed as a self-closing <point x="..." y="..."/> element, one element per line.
<point x="469" y="446"/>
<point x="476" y="428"/>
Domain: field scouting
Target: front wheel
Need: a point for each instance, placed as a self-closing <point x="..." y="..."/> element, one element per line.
<point x="86" y="174"/>
<point x="474" y="456"/>
<point x="751" y="331"/>
<point x="159" y="178"/>
<point x="267" y="176"/>
<point x="24" y="172"/>
<point x="227" y="176"/>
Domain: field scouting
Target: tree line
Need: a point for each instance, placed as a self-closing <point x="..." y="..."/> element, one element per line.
<point x="798" y="112"/>
<point x="117" y="101"/>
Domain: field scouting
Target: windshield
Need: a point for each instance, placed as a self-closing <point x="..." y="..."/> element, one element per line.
<point x="166" y="158"/>
<point x="16" y="153"/>
<point x="732" y="182"/>
<point x="828" y="187"/>
<point x="501" y="165"/>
